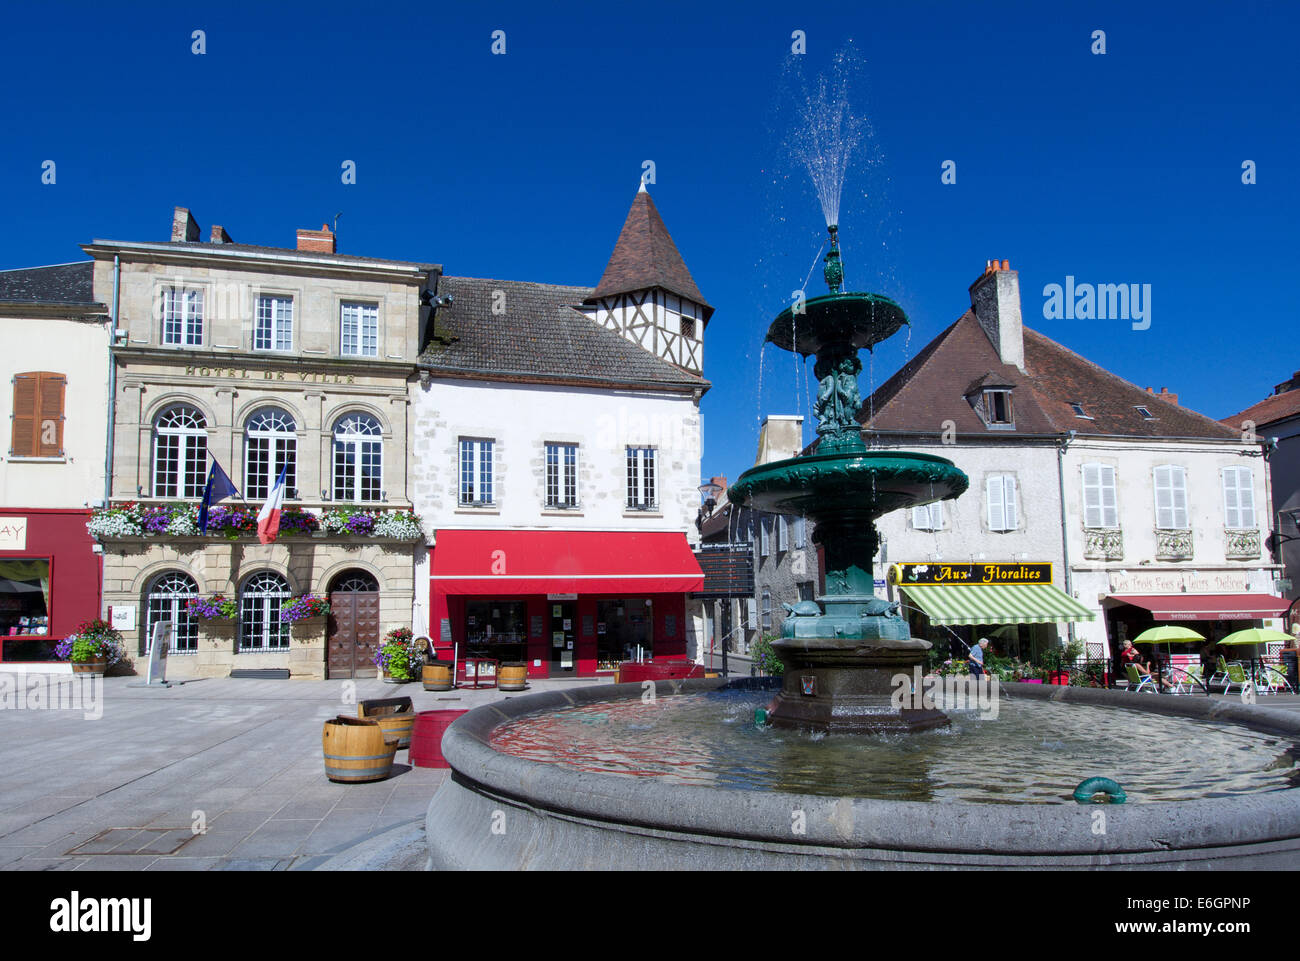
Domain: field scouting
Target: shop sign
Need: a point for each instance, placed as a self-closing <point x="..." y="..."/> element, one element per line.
<point x="561" y="597"/>
<point x="984" y="572"/>
<point x="1178" y="582"/>
<point x="123" y="617"/>
<point x="13" y="533"/>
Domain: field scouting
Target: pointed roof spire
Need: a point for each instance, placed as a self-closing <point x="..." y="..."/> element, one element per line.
<point x="645" y="256"/>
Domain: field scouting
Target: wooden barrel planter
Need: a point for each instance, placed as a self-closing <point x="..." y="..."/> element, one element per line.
<point x="394" y="714"/>
<point x="437" y="676"/>
<point x="512" y="677"/>
<point x="357" y="750"/>
<point x="90" y="667"/>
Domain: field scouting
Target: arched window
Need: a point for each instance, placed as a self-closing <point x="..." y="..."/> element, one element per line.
<point x="358" y="459"/>
<point x="180" y="453"/>
<point x="165" y="601"/>
<point x="354" y="582"/>
<point x="260" y="627"/>
<point x="270" y="445"/>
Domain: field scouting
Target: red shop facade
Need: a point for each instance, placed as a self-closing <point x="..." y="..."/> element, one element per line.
<point x="50" y="579"/>
<point x="564" y="603"/>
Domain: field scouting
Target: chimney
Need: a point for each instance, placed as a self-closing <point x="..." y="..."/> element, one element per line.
<point x="780" y="437"/>
<point x="1288" y="385"/>
<point x="184" y="226"/>
<point x="317" y="241"/>
<point x="218" y="235"/>
<point x="719" y="482"/>
<point x="1163" y="395"/>
<point x="996" y="299"/>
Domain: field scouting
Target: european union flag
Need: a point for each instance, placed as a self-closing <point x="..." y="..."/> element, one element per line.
<point x="218" y="488"/>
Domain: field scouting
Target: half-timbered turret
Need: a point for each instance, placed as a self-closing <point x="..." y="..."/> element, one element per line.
<point x="646" y="293"/>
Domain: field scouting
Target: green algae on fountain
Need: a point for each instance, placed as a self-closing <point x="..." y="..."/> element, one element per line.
<point x="841" y="661"/>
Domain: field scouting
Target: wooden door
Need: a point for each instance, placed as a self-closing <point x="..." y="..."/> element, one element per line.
<point x="354" y="633"/>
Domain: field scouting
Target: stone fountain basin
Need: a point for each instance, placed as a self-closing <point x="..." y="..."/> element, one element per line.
<point x="869" y="482"/>
<point x="499" y="812"/>
<point x="860" y="320"/>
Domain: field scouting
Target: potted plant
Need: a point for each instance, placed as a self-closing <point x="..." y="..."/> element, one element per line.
<point x="395" y="657"/>
<point x="218" y="607"/>
<point x="765" y="658"/>
<point x="95" y="647"/>
<point x="1053" y="663"/>
<point x="304" y="607"/>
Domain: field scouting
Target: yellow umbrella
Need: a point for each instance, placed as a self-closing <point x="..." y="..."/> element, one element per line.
<point x="1168" y="634"/>
<point x="1255" y="635"/>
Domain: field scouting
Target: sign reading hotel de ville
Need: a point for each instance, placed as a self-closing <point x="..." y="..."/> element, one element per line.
<point x="1178" y="582"/>
<point x="983" y="572"/>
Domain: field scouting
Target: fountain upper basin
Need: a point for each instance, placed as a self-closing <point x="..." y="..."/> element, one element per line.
<point x="856" y="319"/>
<point x="870" y="482"/>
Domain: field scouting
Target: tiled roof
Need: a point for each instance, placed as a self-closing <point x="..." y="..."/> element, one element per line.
<point x="930" y="389"/>
<point x="645" y="257"/>
<point x="58" y="284"/>
<point x="540" y="335"/>
<point x="1270" y="410"/>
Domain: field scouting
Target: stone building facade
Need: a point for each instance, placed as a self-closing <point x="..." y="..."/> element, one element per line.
<point x="263" y="360"/>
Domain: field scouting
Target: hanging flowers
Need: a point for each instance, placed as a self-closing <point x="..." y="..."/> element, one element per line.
<point x="301" y="608"/>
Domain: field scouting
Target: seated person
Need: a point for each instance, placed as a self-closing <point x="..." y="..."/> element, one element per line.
<point x="1131" y="655"/>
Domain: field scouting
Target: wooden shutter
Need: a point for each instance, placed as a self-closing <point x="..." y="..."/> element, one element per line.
<point x="997" y="518"/>
<point x="49" y="420"/>
<point x="1009" y="494"/>
<point x="37" y="429"/>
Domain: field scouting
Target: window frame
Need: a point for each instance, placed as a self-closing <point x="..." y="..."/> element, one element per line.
<point x="1101" y="487"/>
<point x="275" y="322"/>
<point x="184" y="638"/>
<point x="931" y="524"/>
<point x="362" y="308"/>
<point x="191" y="456"/>
<point x="641" y="479"/>
<point x="272" y="634"/>
<point x="990" y="407"/>
<point x="482" y="471"/>
<point x="46" y="385"/>
<point x="1175" y="470"/>
<point x="281" y="451"/>
<point x="1249" y="488"/>
<point x="1005" y="482"/>
<point x="354" y="444"/>
<point x="183" y="320"/>
<point x="560" y="484"/>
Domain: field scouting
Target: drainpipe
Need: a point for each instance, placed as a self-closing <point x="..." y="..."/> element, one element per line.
<point x="112" y="381"/>
<point x="1065" y="541"/>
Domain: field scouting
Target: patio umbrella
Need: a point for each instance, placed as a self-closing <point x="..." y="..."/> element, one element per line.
<point x="1256" y="635"/>
<point x="1167" y="634"/>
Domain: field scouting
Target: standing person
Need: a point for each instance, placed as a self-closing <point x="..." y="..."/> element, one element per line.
<point x="977" y="658"/>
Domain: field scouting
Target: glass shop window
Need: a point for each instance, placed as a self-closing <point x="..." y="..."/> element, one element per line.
<point x="496" y="629"/>
<point x="624" y="631"/>
<point x="25" y="609"/>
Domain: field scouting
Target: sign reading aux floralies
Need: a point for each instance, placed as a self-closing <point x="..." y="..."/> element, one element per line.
<point x="984" y="572"/>
<point x="293" y="376"/>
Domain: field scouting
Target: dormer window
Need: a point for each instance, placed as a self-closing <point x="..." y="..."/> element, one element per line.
<point x="997" y="408"/>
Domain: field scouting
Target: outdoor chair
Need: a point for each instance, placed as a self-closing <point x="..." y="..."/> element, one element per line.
<point x="1236" y="677"/>
<point x="1272" y="678"/>
<point x="1220" y="674"/>
<point x="1188" y="680"/>
<point x="1138" y="681"/>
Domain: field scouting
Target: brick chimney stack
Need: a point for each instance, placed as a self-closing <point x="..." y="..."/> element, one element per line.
<point x="316" y="241"/>
<point x="218" y="235"/>
<point x="1163" y="395"/>
<point x="996" y="299"/>
<point x="184" y="226"/>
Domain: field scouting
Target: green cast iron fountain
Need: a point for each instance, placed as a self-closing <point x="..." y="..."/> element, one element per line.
<point x="844" y="652"/>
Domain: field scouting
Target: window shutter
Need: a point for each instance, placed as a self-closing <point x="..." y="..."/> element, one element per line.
<point x="1178" y="485"/>
<point x="49" y="422"/>
<point x="1231" y="513"/>
<point x="751" y="614"/>
<point x="921" y="518"/>
<point x="782" y="534"/>
<point x="993" y="498"/>
<point x="1109" y="504"/>
<point x="23" y="436"/>
<point x="800" y="531"/>
<point x="1246" y="496"/>
<point x="765" y="532"/>
<point x="1009" y="495"/>
<point x="1164" y="498"/>
<point x="1092" y="495"/>
<point x="936" y="515"/>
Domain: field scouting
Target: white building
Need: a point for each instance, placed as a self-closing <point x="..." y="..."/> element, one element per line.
<point x="56" y="360"/>
<point x="557" y="456"/>
<point x="1147" y="512"/>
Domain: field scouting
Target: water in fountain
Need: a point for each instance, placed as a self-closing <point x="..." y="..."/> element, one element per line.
<point x="828" y="132"/>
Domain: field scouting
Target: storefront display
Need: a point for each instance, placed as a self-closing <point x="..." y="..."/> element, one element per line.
<point x="49" y="582"/>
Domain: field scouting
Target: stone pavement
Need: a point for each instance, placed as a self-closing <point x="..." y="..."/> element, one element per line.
<point x="240" y="758"/>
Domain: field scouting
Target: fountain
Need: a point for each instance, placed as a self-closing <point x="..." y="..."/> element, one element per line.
<point x="842" y="662"/>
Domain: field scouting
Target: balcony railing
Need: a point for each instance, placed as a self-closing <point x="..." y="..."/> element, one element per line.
<point x="1103" y="543"/>
<point x="1173" y="545"/>
<point x="1241" y="544"/>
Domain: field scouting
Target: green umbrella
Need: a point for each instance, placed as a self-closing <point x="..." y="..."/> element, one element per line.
<point x="1255" y="635"/>
<point x="1167" y="634"/>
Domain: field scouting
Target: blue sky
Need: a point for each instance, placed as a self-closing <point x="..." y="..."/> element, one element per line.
<point x="1120" y="168"/>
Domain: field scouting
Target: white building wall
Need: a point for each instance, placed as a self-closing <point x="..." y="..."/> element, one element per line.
<point x="77" y="349"/>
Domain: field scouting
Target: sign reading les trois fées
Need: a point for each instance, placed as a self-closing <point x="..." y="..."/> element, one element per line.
<point x="984" y="572"/>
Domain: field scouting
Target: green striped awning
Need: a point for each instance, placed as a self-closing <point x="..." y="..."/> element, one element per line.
<point x="996" y="603"/>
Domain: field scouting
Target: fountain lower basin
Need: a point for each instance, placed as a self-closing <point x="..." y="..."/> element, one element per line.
<point x="549" y="816"/>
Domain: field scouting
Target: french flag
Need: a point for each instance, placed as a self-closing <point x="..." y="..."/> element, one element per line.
<point x="268" y="518"/>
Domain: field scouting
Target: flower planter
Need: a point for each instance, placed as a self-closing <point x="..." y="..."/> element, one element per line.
<point x="1031" y="680"/>
<point x="357" y="750"/>
<point x="436" y="676"/>
<point x="90" y="667"/>
<point x="1061" y="678"/>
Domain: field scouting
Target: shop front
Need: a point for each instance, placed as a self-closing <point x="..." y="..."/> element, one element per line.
<point x="49" y="581"/>
<point x="564" y="603"/>
<point x="1013" y="602"/>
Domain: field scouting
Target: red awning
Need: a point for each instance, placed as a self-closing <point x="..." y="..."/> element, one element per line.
<point x="564" y="562"/>
<point x="1208" y="607"/>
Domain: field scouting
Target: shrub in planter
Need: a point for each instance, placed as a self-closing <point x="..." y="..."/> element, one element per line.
<point x="765" y="658"/>
<point x="94" y="640"/>
<point x="394" y="659"/>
